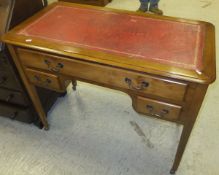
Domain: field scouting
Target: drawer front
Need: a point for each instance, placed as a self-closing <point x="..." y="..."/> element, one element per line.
<point x="116" y="77"/>
<point x="16" y="113"/>
<point x="157" y="108"/>
<point x="43" y="79"/>
<point x="13" y="97"/>
<point x="8" y="80"/>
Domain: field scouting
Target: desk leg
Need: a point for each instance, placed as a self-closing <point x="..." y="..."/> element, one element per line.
<point x="181" y="147"/>
<point x="30" y="88"/>
<point x="189" y="121"/>
<point x="37" y="104"/>
<point x="74" y="84"/>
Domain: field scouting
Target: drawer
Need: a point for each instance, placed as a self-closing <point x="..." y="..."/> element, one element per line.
<point x="116" y="77"/>
<point x="16" y="113"/>
<point x="9" y="80"/>
<point x="157" y="108"/>
<point x="13" y="97"/>
<point x="44" y="79"/>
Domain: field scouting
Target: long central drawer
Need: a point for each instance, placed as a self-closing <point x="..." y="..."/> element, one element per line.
<point x="140" y="83"/>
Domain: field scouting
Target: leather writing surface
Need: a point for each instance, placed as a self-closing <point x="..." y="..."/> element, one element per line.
<point x="168" y="42"/>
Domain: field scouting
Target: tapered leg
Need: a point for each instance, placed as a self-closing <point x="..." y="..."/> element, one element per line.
<point x="74" y="85"/>
<point x="181" y="147"/>
<point x="189" y="121"/>
<point x="37" y="104"/>
<point x="30" y="89"/>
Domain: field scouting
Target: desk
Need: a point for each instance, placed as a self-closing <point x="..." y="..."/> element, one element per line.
<point x="165" y="64"/>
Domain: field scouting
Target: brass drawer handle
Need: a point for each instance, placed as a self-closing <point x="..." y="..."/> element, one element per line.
<point x="164" y="112"/>
<point x="47" y="62"/>
<point x="60" y="65"/>
<point x="157" y="115"/>
<point x="56" y="69"/>
<point x="37" y="78"/>
<point x="142" y="85"/>
<point x="47" y="82"/>
<point x="150" y="109"/>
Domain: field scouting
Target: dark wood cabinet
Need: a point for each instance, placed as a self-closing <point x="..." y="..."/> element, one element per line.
<point x="14" y="100"/>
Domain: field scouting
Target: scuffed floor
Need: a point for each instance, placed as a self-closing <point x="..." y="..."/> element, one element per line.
<point x="95" y="131"/>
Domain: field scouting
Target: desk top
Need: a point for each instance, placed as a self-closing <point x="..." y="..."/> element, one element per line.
<point x="168" y="42"/>
<point x="128" y="38"/>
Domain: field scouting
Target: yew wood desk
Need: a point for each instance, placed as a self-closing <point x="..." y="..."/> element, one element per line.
<point x="165" y="64"/>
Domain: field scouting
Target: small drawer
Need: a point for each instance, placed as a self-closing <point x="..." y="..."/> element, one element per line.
<point x="13" y="97"/>
<point x="44" y="79"/>
<point x="157" y="109"/>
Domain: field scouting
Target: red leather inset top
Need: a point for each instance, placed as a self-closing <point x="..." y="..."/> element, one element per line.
<point x="168" y="42"/>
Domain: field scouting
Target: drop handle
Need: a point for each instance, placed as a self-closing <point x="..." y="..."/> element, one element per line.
<point x="60" y="65"/>
<point x="149" y="108"/>
<point x="48" y="81"/>
<point x="47" y="62"/>
<point x="143" y="85"/>
<point x="164" y="112"/>
<point x="37" y="78"/>
<point x="55" y="69"/>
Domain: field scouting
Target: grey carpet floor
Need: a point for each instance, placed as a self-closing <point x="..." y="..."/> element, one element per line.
<point x="94" y="131"/>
